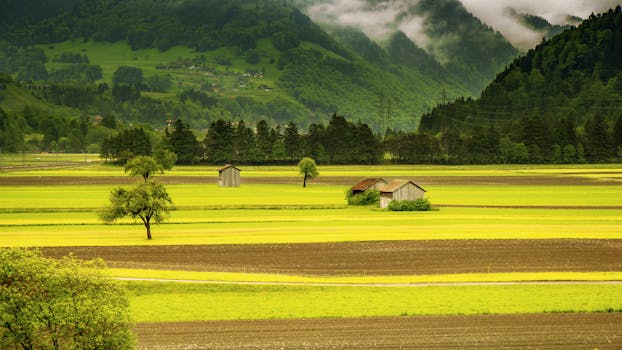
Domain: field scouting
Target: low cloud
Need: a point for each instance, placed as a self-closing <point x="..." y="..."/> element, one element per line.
<point x="495" y="14"/>
<point x="378" y="21"/>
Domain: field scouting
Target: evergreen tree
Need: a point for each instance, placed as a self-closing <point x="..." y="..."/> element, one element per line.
<point x="126" y="145"/>
<point x="220" y="142"/>
<point x="597" y="131"/>
<point x="263" y="140"/>
<point x="313" y="142"/>
<point x="184" y="144"/>
<point x="292" y="141"/>
<point x="338" y="137"/>
<point x="245" y="143"/>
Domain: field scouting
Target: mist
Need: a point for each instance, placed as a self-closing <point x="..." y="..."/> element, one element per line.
<point x="495" y="14"/>
<point x="379" y="19"/>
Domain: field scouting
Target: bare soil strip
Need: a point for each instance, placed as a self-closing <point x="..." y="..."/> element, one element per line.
<point x="531" y="331"/>
<point x="535" y="180"/>
<point x="367" y="258"/>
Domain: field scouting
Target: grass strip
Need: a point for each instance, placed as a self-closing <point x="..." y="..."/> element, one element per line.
<point x="168" y="302"/>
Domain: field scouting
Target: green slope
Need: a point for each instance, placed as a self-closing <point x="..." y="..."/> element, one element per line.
<point x="558" y="103"/>
<point x="208" y="49"/>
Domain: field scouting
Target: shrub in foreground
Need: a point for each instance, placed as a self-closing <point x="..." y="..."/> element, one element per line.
<point x="60" y="304"/>
<point x="416" y="205"/>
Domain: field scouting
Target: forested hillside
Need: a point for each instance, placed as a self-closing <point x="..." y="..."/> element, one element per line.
<point x="559" y="102"/>
<point x="460" y="46"/>
<point x="199" y="60"/>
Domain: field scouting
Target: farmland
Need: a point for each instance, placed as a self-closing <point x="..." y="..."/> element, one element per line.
<point x="552" y="233"/>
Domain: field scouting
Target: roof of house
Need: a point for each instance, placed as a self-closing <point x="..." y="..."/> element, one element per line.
<point x="227" y="167"/>
<point x="396" y="185"/>
<point x="366" y="184"/>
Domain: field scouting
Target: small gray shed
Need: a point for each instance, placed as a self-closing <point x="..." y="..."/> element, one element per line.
<point x="400" y="190"/>
<point x="229" y="176"/>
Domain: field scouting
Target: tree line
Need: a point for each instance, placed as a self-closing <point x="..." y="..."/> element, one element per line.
<point x="530" y="140"/>
<point x="339" y="142"/>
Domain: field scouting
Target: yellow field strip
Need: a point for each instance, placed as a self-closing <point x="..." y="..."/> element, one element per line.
<point x="354" y="280"/>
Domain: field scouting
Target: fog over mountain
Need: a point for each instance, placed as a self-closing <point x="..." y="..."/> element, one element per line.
<point x="467" y="48"/>
<point x="498" y="15"/>
<point x="380" y="18"/>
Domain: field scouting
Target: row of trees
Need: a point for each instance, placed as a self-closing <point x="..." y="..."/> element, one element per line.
<point x="340" y="142"/>
<point x="528" y="140"/>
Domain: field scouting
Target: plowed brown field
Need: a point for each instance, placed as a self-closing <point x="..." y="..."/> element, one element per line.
<point x="537" y="331"/>
<point x="368" y="258"/>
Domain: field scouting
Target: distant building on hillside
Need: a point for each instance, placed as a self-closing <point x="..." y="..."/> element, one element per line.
<point x="372" y="183"/>
<point x="400" y="190"/>
<point x="229" y="176"/>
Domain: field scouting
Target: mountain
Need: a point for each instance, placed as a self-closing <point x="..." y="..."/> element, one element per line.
<point x="565" y="92"/>
<point x="200" y="60"/>
<point x="468" y="50"/>
<point x="541" y="25"/>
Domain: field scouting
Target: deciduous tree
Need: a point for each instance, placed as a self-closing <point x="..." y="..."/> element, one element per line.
<point x="148" y="201"/>
<point x="308" y="169"/>
<point x="143" y="166"/>
<point x="60" y="304"/>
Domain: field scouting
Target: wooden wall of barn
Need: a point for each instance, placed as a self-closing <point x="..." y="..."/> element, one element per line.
<point x="229" y="177"/>
<point x="408" y="192"/>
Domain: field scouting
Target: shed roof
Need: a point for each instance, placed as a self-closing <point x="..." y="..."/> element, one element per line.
<point x="366" y="184"/>
<point x="227" y="167"/>
<point x="396" y="185"/>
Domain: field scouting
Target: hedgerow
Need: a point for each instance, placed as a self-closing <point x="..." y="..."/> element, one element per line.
<point x="416" y="205"/>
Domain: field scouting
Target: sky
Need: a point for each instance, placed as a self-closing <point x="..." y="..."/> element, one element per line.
<point x="380" y="20"/>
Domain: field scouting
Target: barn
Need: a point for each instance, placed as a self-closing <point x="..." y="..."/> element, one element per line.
<point x="400" y="190"/>
<point x="372" y="183"/>
<point x="229" y="176"/>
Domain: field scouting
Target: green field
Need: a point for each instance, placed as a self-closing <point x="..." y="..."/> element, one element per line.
<point x="158" y="302"/>
<point x="36" y="215"/>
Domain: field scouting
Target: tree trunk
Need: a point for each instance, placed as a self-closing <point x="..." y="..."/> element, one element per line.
<point x="304" y="182"/>
<point x="148" y="227"/>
